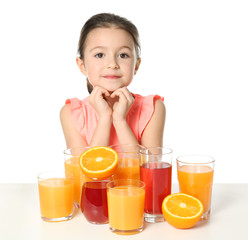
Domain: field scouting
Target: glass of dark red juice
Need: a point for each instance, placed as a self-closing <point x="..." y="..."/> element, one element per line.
<point x="155" y="171"/>
<point x="94" y="204"/>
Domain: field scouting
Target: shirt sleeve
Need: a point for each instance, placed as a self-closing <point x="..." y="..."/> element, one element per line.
<point x="146" y="111"/>
<point x="77" y="114"/>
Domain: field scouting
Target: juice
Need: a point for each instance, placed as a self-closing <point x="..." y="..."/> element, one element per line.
<point x="126" y="207"/>
<point x="72" y="166"/>
<point x="197" y="181"/>
<point x="56" y="197"/>
<point x="128" y="168"/>
<point x="157" y="177"/>
<point x="94" y="201"/>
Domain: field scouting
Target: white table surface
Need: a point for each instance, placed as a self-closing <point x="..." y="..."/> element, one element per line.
<point x="20" y="218"/>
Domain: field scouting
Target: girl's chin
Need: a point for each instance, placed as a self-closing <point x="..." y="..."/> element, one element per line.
<point x="111" y="90"/>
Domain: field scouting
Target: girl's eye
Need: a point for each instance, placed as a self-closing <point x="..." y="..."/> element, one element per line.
<point x="123" y="55"/>
<point x="99" y="55"/>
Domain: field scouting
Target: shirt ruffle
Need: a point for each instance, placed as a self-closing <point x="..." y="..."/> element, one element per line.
<point x="142" y="112"/>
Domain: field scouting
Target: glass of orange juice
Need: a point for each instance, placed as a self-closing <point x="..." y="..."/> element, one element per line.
<point x="195" y="176"/>
<point x="126" y="199"/>
<point x="71" y="163"/>
<point x="128" y="163"/>
<point x="56" y="195"/>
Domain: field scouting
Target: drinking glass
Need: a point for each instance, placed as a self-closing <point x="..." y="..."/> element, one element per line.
<point x="128" y="163"/>
<point x="94" y="201"/>
<point x="71" y="163"/>
<point x="155" y="171"/>
<point x="56" y="195"/>
<point x="126" y="199"/>
<point x="195" y="176"/>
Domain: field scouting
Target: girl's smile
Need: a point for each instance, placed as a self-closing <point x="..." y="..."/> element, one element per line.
<point x="112" y="76"/>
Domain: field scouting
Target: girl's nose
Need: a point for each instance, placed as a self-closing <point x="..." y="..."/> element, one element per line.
<point x="112" y="63"/>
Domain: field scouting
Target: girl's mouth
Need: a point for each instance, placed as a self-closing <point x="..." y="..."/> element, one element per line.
<point x="111" y="76"/>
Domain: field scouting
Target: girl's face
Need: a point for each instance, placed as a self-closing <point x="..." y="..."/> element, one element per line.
<point x="110" y="60"/>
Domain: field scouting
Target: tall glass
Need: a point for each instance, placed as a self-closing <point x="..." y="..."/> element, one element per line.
<point x="128" y="163"/>
<point x="195" y="176"/>
<point x="155" y="171"/>
<point x="56" y="195"/>
<point x="71" y="163"/>
<point x="126" y="199"/>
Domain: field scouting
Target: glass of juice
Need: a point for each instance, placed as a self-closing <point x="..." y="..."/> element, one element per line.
<point x="195" y="176"/>
<point x="94" y="201"/>
<point x="126" y="198"/>
<point x="56" y="195"/>
<point x="71" y="163"/>
<point x="155" y="171"/>
<point x="128" y="163"/>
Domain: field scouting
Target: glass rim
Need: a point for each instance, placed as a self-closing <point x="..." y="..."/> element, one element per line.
<point x="57" y="173"/>
<point x="96" y="181"/>
<point x="126" y="185"/>
<point x="190" y="156"/>
<point x="169" y="151"/>
<point x="128" y="145"/>
<point x="66" y="151"/>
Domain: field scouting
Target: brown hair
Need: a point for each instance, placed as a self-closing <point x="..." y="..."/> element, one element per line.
<point x="107" y="20"/>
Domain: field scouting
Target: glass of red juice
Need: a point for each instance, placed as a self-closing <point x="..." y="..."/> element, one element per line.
<point x="155" y="171"/>
<point x="94" y="204"/>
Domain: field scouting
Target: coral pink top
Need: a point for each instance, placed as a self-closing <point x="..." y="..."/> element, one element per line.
<point x="85" y="117"/>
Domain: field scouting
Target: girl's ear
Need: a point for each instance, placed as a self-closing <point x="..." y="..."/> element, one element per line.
<point x="81" y="66"/>
<point x="138" y="62"/>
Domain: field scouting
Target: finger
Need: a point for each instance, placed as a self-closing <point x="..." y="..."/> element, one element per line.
<point x="102" y="91"/>
<point x="128" y="94"/>
<point x="122" y="100"/>
<point x="106" y="93"/>
<point x="117" y="93"/>
<point x="123" y="93"/>
<point x="114" y="94"/>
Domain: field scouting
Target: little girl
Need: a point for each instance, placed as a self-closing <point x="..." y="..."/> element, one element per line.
<point x="109" y="57"/>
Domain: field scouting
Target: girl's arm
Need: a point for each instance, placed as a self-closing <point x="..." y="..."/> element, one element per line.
<point x="120" y="110"/>
<point x="102" y="132"/>
<point x="153" y="133"/>
<point x="72" y="137"/>
<point x="124" y="133"/>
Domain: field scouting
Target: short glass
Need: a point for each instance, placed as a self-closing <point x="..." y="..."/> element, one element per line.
<point x="56" y="190"/>
<point x="156" y="171"/>
<point x="126" y="198"/>
<point x="195" y="176"/>
<point x="71" y="164"/>
<point x="128" y="163"/>
<point x="94" y="201"/>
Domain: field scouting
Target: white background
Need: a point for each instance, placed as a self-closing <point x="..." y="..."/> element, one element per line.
<point x="194" y="53"/>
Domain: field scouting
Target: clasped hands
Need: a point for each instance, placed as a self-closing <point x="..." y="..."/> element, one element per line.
<point x="115" y="105"/>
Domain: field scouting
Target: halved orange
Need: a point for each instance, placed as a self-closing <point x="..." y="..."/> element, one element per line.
<point x="182" y="210"/>
<point x="98" y="162"/>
